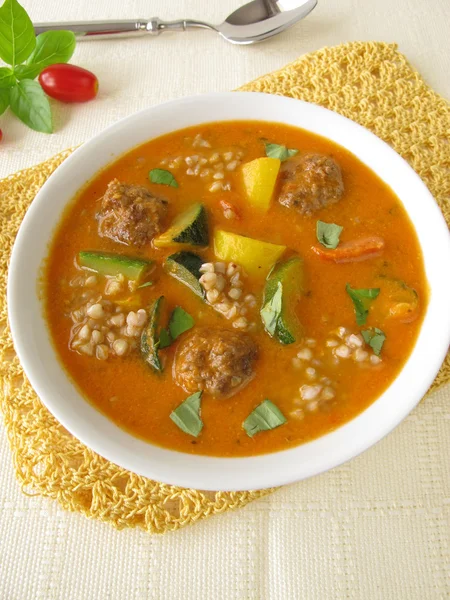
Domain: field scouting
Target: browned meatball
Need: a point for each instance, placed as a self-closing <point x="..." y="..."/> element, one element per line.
<point x="130" y="214"/>
<point x="310" y="182"/>
<point x="218" y="361"/>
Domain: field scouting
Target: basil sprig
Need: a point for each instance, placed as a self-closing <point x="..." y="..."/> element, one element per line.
<point x="187" y="415"/>
<point x="361" y="299"/>
<point x="280" y="152"/>
<point x="328" y="234"/>
<point x="264" y="417"/>
<point x="28" y="55"/>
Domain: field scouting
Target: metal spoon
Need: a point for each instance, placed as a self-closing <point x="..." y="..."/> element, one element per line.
<point x="253" y="22"/>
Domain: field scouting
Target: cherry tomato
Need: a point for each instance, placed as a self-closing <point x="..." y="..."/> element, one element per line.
<point x="69" y="83"/>
<point x="1" y="135"/>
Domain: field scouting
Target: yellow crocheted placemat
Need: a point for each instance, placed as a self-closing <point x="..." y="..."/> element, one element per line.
<point x="368" y="82"/>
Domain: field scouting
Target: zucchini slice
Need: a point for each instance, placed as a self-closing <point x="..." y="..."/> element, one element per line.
<point x="286" y="279"/>
<point x="151" y="334"/>
<point x="191" y="228"/>
<point x="185" y="266"/>
<point x="114" y="264"/>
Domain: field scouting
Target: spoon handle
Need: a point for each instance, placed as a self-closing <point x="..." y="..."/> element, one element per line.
<point x="94" y="30"/>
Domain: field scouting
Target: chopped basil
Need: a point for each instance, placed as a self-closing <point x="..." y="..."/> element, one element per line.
<point x="187" y="415"/>
<point x="270" y="312"/>
<point x="180" y="321"/>
<point x="163" y="177"/>
<point x="361" y="299"/>
<point x="281" y="152"/>
<point x="375" y="338"/>
<point x="165" y="339"/>
<point x="266" y="416"/>
<point x="144" y="285"/>
<point x="328" y="234"/>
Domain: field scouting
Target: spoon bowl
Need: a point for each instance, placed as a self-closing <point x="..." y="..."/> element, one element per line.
<point x="261" y="19"/>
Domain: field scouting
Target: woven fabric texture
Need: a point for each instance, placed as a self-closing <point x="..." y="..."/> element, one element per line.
<point x="370" y="83"/>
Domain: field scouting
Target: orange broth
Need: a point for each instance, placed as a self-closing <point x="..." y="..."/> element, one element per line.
<point x="139" y="400"/>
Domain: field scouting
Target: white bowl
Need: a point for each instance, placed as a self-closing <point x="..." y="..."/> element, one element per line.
<point x="60" y="396"/>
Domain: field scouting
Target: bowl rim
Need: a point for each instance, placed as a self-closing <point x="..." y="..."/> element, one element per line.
<point x="38" y="356"/>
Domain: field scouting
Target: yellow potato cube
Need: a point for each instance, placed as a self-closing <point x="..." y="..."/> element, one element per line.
<point x="259" y="177"/>
<point x="255" y="256"/>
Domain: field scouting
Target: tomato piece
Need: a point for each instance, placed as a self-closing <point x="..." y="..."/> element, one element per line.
<point x="1" y="135"/>
<point x="69" y="83"/>
<point x="354" y="251"/>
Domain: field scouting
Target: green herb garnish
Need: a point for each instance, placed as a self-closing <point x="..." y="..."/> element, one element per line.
<point x="165" y="339"/>
<point x="277" y="151"/>
<point x="187" y="415"/>
<point x="361" y="299"/>
<point x="180" y="321"/>
<point x="27" y="55"/>
<point x="29" y="103"/>
<point x="146" y="284"/>
<point x="4" y="100"/>
<point x="271" y="311"/>
<point x="375" y="338"/>
<point x="50" y="49"/>
<point x="328" y="234"/>
<point x="264" y="417"/>
<point x="163" y="177"/>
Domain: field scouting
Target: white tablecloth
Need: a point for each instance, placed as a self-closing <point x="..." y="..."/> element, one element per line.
<point x="376" y="528"/>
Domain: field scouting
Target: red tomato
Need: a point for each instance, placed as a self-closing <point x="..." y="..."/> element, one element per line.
<point x="1" y="135"/>
<point x="69" y="83"/>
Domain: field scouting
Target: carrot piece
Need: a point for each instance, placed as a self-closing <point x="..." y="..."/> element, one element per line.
<point x="353" y="251"/>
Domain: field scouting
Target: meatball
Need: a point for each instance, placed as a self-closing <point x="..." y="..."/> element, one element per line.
<point x="130" y="214"/>
<point x="218" y="361"/>
<point x="310" y="182"/>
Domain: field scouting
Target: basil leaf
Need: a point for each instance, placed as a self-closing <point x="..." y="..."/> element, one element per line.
<point x="328" y="234"/>
<point x="31" y="105"/>
<point x="361" y="299"/>
<point x="162" y="176"/>
<point x="277" y="151"/>
<point x="266" y="416"/>
<point x="51" y="47"/>
<point x="271" y="311"/>
<point x="187" y="415"/>
<point x="4" y="100"/>
<point x="146" y="284"/>
<point x="180" y="321"/>
<point x="375" y="338"/>
<point x="165" y="339"/>
<point x="7" y="78"/>
<point x="17" y="37"/>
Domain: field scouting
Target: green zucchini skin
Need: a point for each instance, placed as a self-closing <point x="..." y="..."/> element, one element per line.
<point x="185" y="266"/>
<point x="114" y="264"/>
<point x="150" y="336"/>
<point x="290" y="274"/>
<point x="190" y="228"/>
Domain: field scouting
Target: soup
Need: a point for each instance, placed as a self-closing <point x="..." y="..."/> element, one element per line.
<point x="234" y="288"/>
